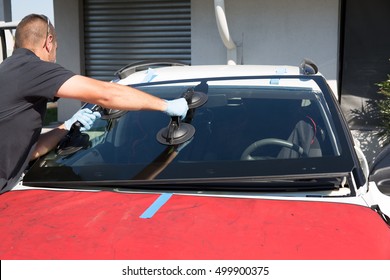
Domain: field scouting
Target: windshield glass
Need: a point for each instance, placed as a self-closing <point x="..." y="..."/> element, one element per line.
<point x="247" y="129"/>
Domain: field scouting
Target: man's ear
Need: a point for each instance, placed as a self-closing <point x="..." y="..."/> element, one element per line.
<point x="49" y="43"/>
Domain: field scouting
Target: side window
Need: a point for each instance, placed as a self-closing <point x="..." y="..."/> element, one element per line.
<point x="6" y="40"/>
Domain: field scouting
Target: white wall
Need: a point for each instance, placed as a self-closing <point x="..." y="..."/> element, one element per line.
<point x="270" y="32"/>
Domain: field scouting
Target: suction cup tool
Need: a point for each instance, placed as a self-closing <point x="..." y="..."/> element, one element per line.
<point x="108" y="114"/>
<point x="74" y="141"/>
<point x="179" y="132"/>
<point x="74" y="144"/>
<point x="195" y="99"/>
<point x="176" y="133"/>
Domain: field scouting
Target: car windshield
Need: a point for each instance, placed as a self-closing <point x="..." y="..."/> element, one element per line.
<point x="250" y="130"/>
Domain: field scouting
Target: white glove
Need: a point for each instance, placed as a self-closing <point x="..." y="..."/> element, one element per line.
<point x="85" y="116"/>
<point x="177" y="107"/>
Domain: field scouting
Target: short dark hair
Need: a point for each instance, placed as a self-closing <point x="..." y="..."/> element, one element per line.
<point x="28" y="32"/>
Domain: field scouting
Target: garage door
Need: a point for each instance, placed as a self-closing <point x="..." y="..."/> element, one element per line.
<point x="118" y="33"/>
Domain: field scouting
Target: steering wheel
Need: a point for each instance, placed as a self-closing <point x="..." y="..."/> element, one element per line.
<point x="246" y="155"/>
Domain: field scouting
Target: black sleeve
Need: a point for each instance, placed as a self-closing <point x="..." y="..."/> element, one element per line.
<point x="43" y="79"/>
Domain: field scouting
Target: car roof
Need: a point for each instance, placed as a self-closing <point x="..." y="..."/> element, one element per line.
<point x="206" y="71"/>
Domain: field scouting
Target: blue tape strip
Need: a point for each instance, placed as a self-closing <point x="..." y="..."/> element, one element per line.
<point x="279" y="71"/>
<point x="150" y="75"/>
<point x="157" y="204"/>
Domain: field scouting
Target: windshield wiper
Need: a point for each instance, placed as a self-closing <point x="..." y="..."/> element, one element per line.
<point x="233" y="184"/>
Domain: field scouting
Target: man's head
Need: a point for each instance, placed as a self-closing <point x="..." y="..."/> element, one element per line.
<point x="36" y="33"/>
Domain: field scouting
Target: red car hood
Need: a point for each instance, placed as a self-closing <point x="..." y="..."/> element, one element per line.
<point x="40" y="224"/>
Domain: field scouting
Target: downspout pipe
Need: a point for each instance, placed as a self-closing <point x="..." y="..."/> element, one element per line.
<point x="223" y="29"/>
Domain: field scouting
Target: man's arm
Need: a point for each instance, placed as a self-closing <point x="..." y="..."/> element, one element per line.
<point x="48" y="141"/>
<point x="109" y="95"/>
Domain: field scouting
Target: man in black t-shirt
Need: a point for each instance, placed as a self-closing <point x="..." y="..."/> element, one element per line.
<point x="30" y="78"/>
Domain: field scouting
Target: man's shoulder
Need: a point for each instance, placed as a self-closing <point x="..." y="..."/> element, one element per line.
<point x="23" y="54"/>
<point x="19" y="58"/>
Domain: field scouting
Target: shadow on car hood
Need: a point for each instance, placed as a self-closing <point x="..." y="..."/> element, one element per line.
<point x="43" y="224"/>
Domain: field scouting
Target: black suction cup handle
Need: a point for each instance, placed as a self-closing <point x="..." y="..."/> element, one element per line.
<point x="176" y="133"/>
<point x="188" y="95"/>
<point x="195" y="99"/>
<point x="75" y="127"/>
<point x="172" y="127"/>
<point x="72" y="141"/>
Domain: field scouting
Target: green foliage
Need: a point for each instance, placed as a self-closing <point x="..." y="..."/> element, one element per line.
<point x="384" y="110"/>
<point x="384" y="87"/>
<point x="51" y="116"/>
